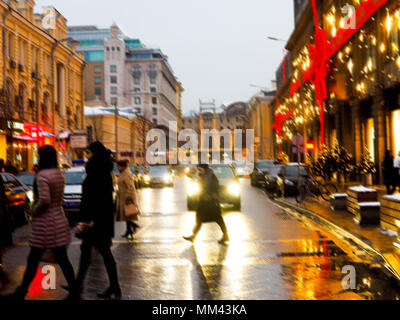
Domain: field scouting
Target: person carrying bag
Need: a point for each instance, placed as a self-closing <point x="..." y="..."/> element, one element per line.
<point x="127" y="208"/>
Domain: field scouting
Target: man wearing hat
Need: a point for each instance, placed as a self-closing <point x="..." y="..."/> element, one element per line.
<point x="209" y="209"/>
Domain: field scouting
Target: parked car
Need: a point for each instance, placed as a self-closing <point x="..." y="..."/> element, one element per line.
<point x="261" y="168"/>
<point x="243" y="170"/>
<point x="74" y="178"/>
<point x="282" y="179"/>
<point x="158" y="176"/>
<point x="27" y="179"/>
<point x="230" y="190"/>
<point x="19" y="199"/>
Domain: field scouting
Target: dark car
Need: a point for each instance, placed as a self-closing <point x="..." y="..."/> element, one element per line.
<point x="158" y="176"/>
<point x="27" y="179"/>
<point x="261" y="168"/>
<point x="19" y="199"/>
<point x="282" y="179"/>
<point x="229" y="184"/>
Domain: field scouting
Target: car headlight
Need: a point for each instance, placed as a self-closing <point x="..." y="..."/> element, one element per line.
<point x="187" y="170"/>
<point x="234" y="189"/>
<point x="167" y="178"/>
<point x="193" y="188"/>
<point x="146" y="178"/>
<point x="29" y="194"/>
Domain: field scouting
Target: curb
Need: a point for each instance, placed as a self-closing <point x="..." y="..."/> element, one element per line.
<point x="349" y="237"/>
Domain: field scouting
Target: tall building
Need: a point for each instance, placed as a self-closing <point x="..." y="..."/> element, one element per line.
<point x="41" y="94"/>
<point x="123" y="72"/>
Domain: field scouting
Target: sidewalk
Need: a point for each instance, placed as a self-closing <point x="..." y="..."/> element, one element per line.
<point x="375" y="240"/>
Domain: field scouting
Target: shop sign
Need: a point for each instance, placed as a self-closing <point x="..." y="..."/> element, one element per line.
<point x="78" y="141"/>
<point x="15" y="125"/>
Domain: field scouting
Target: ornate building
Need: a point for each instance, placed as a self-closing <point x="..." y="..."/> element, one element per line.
<point x="41" y="82"/>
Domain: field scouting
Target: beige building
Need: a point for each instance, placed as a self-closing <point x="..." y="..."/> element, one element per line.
<point x="41" y="82"/>
<point x="260" y="117"/>
<point x="124" y="134"/>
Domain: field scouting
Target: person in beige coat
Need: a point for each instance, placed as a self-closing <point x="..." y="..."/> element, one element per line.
<point x="126" y="193"/>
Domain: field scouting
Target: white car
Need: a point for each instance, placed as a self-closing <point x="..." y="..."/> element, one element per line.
<point x="74" y="178"/>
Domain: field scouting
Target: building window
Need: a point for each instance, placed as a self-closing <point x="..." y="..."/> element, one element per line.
<point x="137" y="81"/>
<point x="138" y="110"/>
<point x="153" y="80"/>
<point x="155" y="121"/>
<point x="137" y="89"/>
<point x="113" y="68"/>
<point x="118" y="49"/>
<point x="97" y="80"/>
<point x="113" y="48"/>
<point x="97" y="69"/>
<point x="114" y="90"/>
<point x="154" y="110"/>
<point x="153" y="90"/>
<point x="153" y="100"/>
<point x="113" y="79"/>
<point x="138" y="100"/>
<point x="97" y="91"/>
<point x="114" y="101"/>
<point x="108" y="48"/>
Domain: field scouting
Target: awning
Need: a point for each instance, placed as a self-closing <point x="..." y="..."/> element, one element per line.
<point x="24" y="137"/>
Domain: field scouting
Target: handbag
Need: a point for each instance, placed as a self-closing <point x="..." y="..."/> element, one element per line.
<point x="131" y="210"/>
<point x="84" y="230"/>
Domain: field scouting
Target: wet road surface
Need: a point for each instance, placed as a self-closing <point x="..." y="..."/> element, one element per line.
<point x="272" y="255"/>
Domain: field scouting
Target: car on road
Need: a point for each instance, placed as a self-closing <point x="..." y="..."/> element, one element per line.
<point x="19" y="199"/>
<point x="261" y="168"/>
<point x="158" y="176"/>
<point x="74" y="178"/>
<point x="243" y="170"/>
<point x="229" y="184"/>
<point x="282" y="179"/>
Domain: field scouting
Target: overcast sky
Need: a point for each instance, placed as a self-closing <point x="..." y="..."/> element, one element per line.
<point x="217" y="48"/>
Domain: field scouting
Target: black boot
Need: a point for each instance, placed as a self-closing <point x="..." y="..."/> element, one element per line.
<point x="17" y="295"/>
<point x="110" y="293"/>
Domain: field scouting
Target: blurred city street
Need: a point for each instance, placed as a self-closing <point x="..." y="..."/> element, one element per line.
<point x="271" y="255"/>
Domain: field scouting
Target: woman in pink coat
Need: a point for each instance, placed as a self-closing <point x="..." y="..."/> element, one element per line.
<point x="50" y="228"/>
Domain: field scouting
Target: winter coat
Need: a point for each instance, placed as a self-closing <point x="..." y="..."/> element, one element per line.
<point x="126" y="191"/>
<point x="97" y="203"/>
<point x="209" y="208"/>
<point x="50" y="227"/>
<point x="388" y="170"/>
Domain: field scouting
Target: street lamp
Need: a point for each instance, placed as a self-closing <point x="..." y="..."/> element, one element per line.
<point x="276" y="39"/>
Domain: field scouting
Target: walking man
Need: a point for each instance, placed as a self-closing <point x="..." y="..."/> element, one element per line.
<point x="209" y="208"/>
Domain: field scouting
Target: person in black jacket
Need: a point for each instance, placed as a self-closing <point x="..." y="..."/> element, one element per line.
<point x="97" y="208"/>
<point x="389" y="173"/>
<point x="209" y="208"/>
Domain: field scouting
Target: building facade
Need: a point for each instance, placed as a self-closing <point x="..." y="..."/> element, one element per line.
<point x="124" y="134"/>
<point x="260" y="118"/>
<point x="41" y="82"/>
<point x="125" y="73"/>
<point x="351" y="65"/>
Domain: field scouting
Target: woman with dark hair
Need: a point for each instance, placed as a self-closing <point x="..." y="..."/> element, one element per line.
<point x="97" y="210"/>
<point x="209" y="208"/>
<point x="50" y="228"/>
<point x="126" y="195"/>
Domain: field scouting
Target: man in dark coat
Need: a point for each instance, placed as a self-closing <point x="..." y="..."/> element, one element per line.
<point x="389" y="172"/>
<point x="209" y="208"/>
<point x="97" y="209"/>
